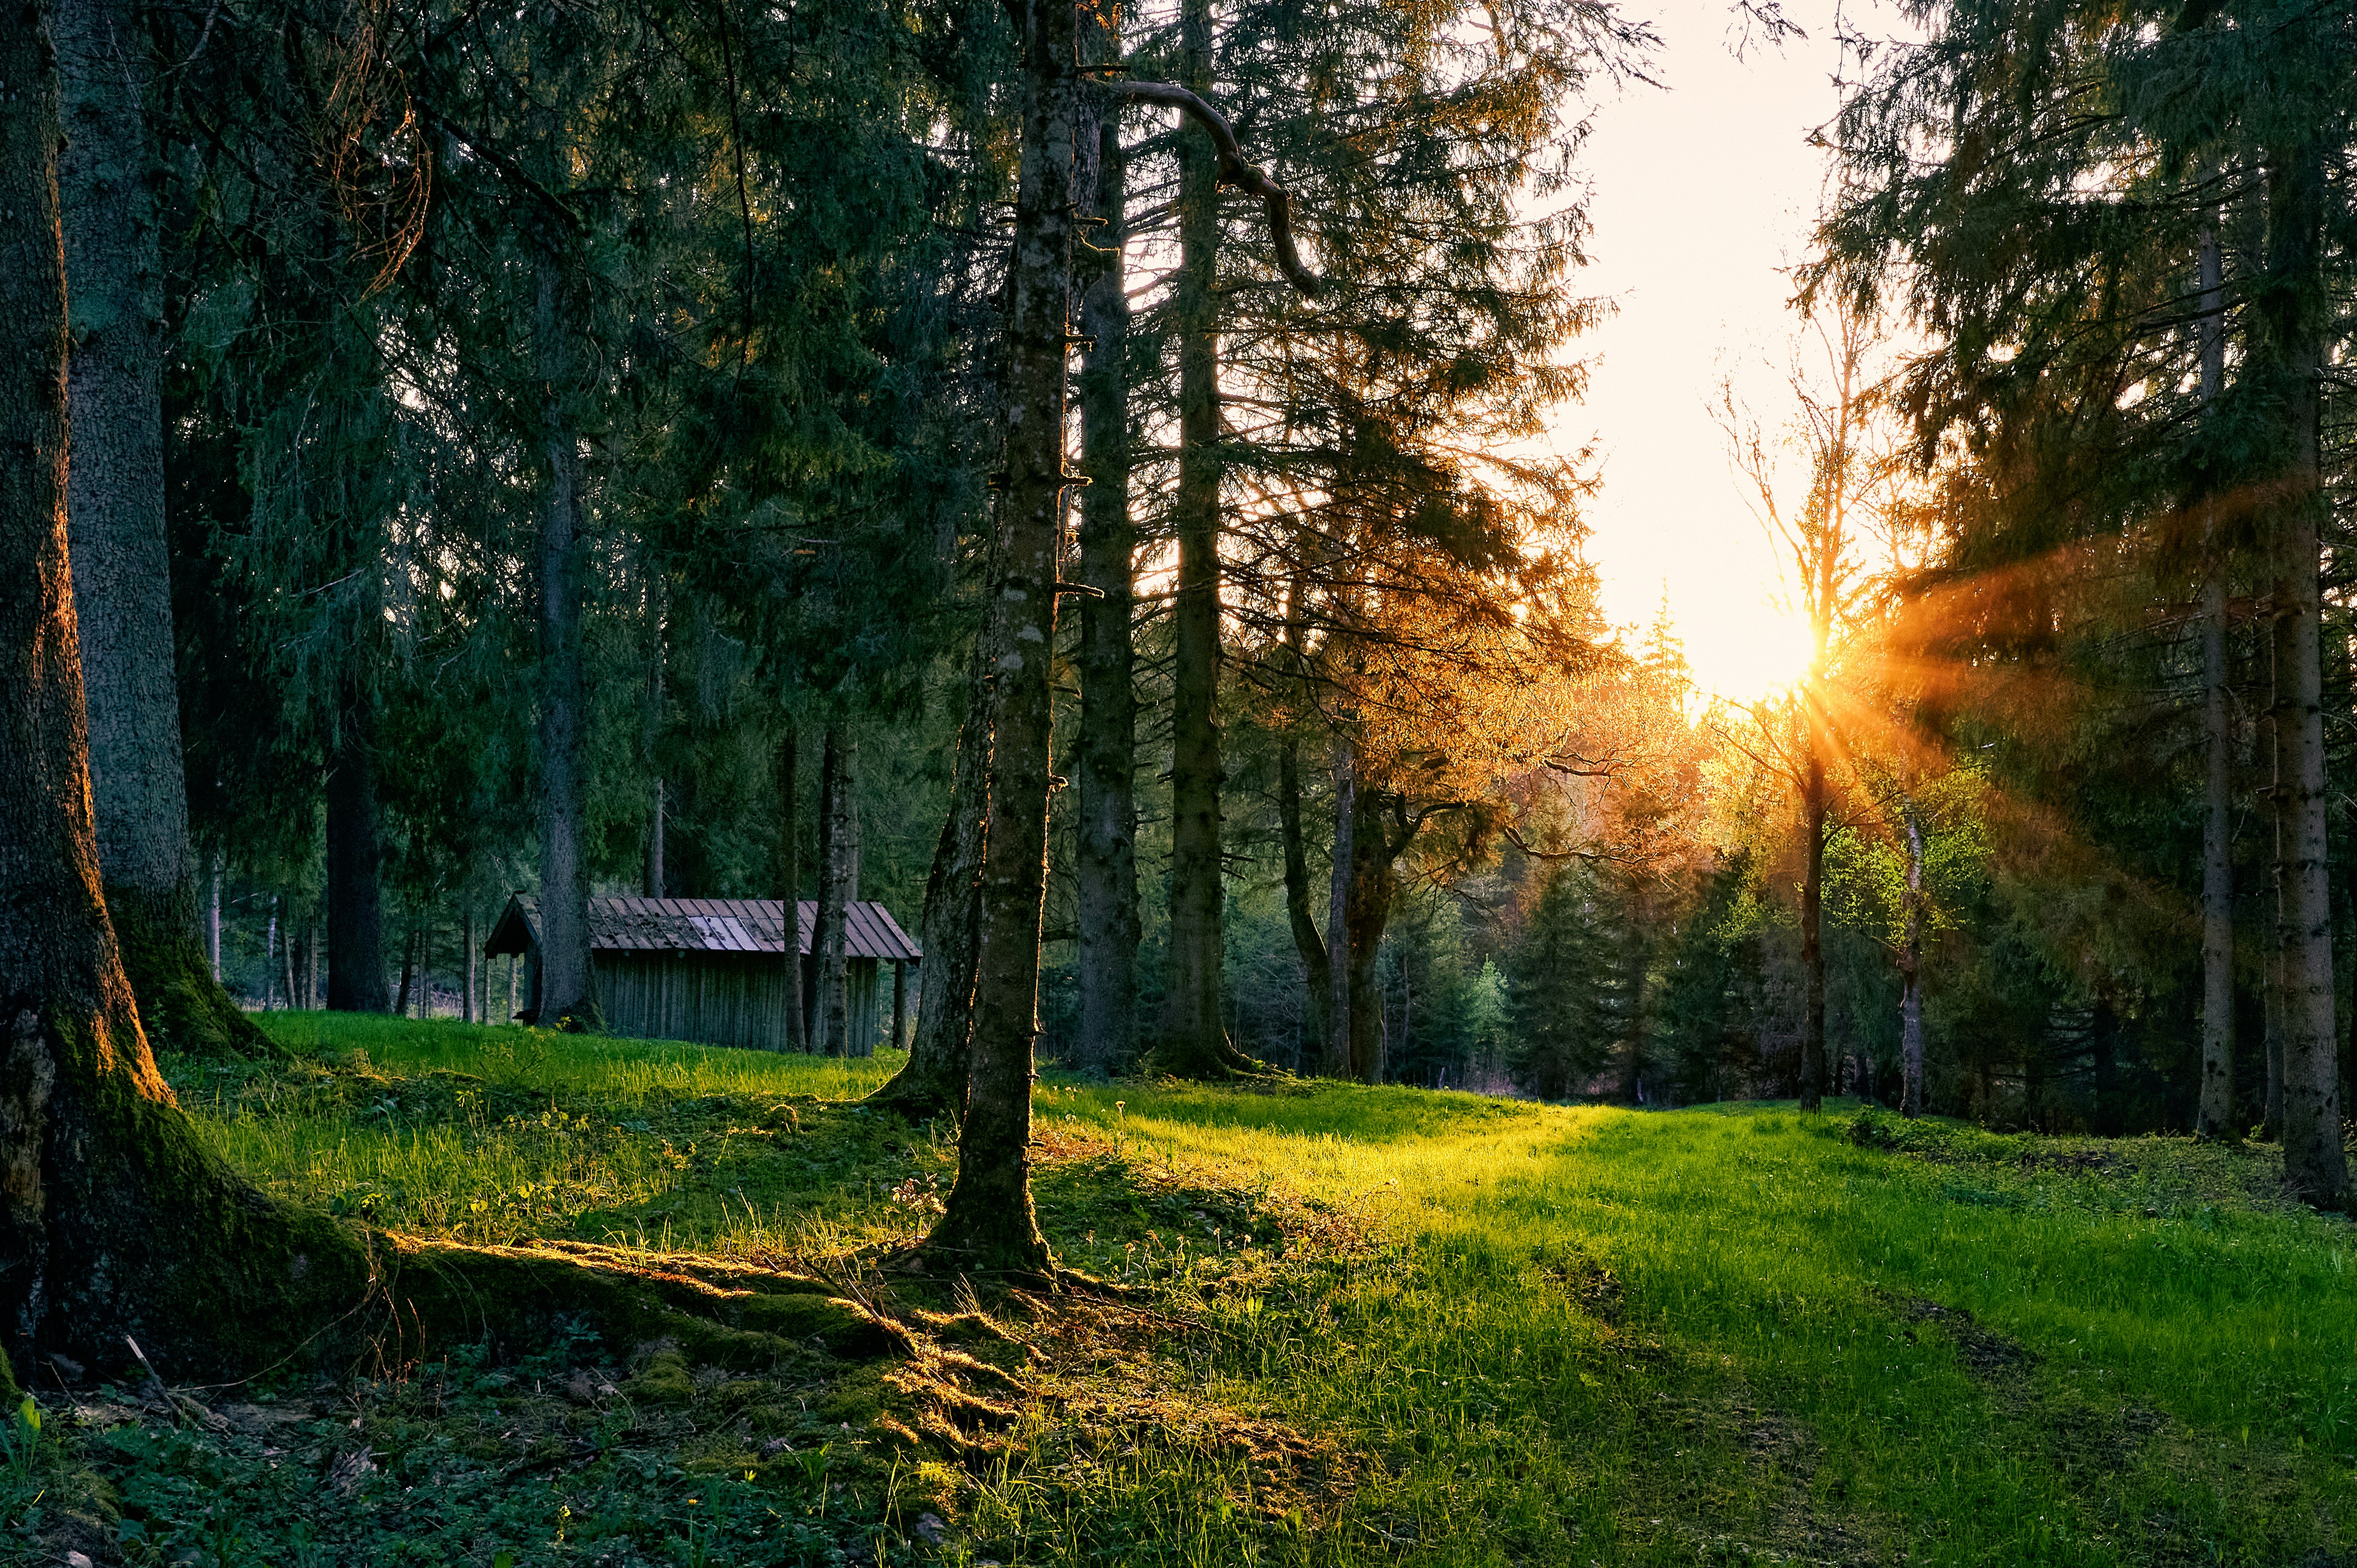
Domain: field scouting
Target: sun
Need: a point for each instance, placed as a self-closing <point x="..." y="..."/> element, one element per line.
<point x="1744" y="655"/>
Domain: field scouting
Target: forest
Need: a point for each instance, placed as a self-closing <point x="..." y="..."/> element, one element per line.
<point x="847" y="781"/>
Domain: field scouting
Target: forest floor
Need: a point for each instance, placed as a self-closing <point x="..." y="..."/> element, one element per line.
<point x="1374" y="1325"/>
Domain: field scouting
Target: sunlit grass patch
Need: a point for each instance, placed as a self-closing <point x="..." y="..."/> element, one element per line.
<point x="1394" y="1325"/>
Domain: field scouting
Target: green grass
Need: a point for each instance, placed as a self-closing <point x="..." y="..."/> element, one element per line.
<point x="1404" y="1327"/>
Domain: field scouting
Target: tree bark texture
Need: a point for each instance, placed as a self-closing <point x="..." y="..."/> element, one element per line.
<point x="112" y="1215"/>
<point x="1340" y="939"/>
<point x="654" y="882"/>
<point x="790" y="881"/>
<point x="468" y="1011"/>
<point x="990" y="1222"/>
<point x="1317" y="975"/>
<point x="1194" y="1041"/>
<point x="1911" y="978"/>
<point x="2214" y="1118"/>
<point x="839" y="887"/>
<point x="1812" y="951"/>
<point x="567" y="998"/>
<point x="652" y="740"/>
<point x="1105" y="763"/>
<point x="355" y="888"/>
<point x="822" y="928"/>
<point x="932" y="1082"/>
<point x="2297" y="315"/>
<point x="107" y="176"/>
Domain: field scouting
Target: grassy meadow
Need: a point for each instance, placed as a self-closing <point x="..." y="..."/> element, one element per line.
<point x="1368" y="1326"/>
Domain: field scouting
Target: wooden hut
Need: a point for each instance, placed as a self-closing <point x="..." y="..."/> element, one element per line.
<point x="714" y="970"/>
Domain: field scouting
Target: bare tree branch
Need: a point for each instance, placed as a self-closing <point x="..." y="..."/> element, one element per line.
<point x="1234" y="170"/>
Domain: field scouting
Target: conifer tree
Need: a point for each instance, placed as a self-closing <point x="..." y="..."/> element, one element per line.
<point x="2077" y="367"/>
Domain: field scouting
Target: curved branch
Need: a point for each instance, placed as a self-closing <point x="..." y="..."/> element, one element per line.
<point x="1234" y="169"/>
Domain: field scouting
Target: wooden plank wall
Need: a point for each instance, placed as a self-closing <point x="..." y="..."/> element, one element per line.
<point x="722" y="999"/>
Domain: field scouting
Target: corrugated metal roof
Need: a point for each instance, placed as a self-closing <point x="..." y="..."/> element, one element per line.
<point x="711" y="925"/>
<point x="738" y="925"/>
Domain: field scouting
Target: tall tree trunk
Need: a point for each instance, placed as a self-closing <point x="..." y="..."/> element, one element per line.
<point x="287" y="951"/>
<point x="1105" y="766"/>
<point x="840" y="867"/>
<point x="990" y="1222"/>
<point x="1339" y="938"/>
<point x="654" y="881"/>
<point x="1318" y="975"/>
<point x="1813" y="953"/>
<point x="212" y="921"/>
<point x="651" y="740"/>
<point x="2297" y="315"/>
<point x="790" y="883"/>
<point x="270" y="957"/>
<point x="107" y="177"/>
<point x="1194" y="1042"/>
<point x="408" y="973"/>
<point x="1911" y="977"/>
<point x="567" y="998"/>
<point x="932" y="1082"/>
<point x="355" y="889"/>
<point x="2272" y="981"/>
<point x="114" y="1216"/>
<point x="827" y="928"/>
<point x="468" y="1011"/>
<point x="2214" y="1118"/>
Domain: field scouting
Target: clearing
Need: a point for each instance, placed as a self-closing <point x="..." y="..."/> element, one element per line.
<point x="1370" y="1326"/>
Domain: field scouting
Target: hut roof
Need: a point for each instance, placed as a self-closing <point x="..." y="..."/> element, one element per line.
<point x="706" y="925"/>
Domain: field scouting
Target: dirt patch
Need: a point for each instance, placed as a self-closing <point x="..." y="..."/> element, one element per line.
<point x="1781" y="1458"/>
<point x="2076" y="1161"/>
<point x="1987" y="1355"/>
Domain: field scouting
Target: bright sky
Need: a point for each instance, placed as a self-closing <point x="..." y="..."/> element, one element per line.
<point x="1703" y="189"/>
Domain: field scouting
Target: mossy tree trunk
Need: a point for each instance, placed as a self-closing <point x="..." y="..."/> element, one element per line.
<point x="114" y="503"/>
<point x="116" y="1222"/>
<point x="113" y="1218"/>
<point x="990" y="1222"/>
